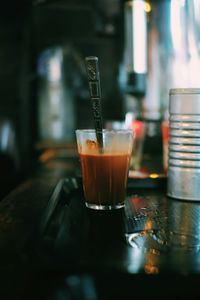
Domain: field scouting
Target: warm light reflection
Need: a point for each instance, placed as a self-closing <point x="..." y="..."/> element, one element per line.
<point x="150" y="266"/>
<point x="48" y="154"/>
<point x="151" y="269"/>
<point x="148" y="225"/>
<point x="154" y="175"/>
<point x="147" y="7"/>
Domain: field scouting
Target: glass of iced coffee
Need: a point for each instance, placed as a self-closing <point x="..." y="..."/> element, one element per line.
<point x="105" y="170"/>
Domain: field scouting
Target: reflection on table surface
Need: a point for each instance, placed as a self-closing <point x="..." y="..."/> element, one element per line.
<point x="153" y="234"/>
<point x="139" y="251"/>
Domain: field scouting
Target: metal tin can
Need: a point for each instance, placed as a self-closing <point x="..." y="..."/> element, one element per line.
<point x="184" y="144"/>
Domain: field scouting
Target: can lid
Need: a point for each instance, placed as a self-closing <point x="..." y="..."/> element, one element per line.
<point x="184" y="101"/>
<point x="184" y="91"/>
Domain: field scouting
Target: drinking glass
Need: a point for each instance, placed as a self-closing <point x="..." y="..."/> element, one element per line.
<point x="104" y="171"/>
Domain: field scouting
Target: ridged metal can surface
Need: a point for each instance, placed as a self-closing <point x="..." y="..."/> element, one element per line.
<point x="184" y="144"/>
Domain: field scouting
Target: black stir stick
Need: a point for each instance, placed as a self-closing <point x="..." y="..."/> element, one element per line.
<point x="92" y="69"/>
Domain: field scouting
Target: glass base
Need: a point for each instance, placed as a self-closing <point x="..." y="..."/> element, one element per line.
<point x="104" y="207"/>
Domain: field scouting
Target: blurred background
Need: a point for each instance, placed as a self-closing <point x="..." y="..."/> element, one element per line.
<point x="144" y="48"/>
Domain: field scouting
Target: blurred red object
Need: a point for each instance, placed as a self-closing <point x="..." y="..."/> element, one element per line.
<point x="165" y="140"/>
<point x="138" y="128"/>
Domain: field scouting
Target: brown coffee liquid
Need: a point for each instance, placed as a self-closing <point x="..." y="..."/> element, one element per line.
<point x="104" y="177"/>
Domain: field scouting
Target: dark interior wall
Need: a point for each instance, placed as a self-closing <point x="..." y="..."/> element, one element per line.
<point x="26" y="29"/>
<point x="91" y="28"/>
<point x="14" y="133"/>
<point x="10" y="44"/>
<point x="12" y="22"/>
